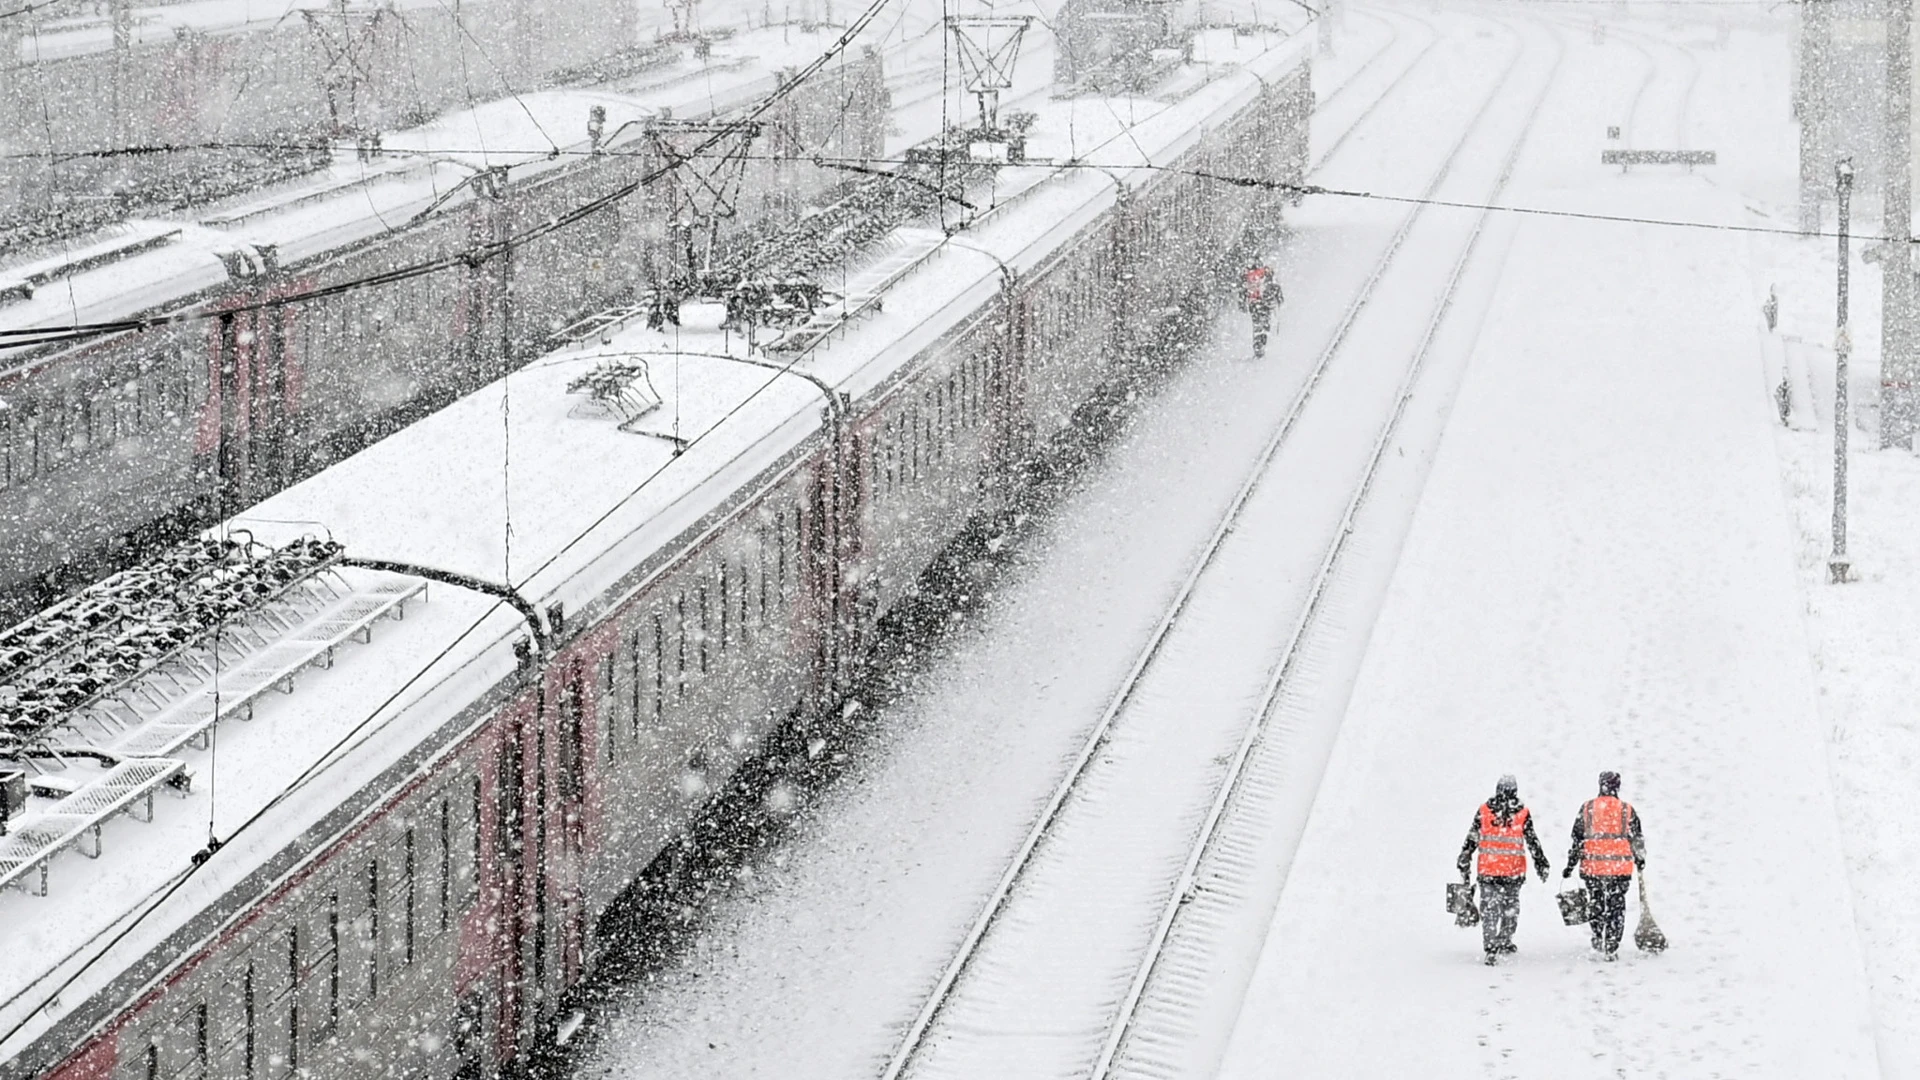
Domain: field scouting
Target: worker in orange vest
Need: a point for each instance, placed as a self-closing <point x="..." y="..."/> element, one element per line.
<point x="1608" y="848"/>
<point x="1501" y="835"/>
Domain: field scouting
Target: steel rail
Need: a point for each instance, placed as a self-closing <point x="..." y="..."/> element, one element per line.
<point x="1393" y="37"/>
<point x="1358" y="121"/>
<point x="1323" y="578"/>
<point x="916" y="1033"/>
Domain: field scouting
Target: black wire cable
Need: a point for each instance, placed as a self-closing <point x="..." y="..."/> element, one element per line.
<point x="19" y="338"/>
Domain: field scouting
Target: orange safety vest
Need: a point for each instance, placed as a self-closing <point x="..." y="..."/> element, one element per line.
<point x="1256" y="282"/>
<point x="1503" y="848"/>
<point x="1607" y="850"/>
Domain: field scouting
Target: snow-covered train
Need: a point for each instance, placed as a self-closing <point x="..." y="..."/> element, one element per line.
<point x="647" y="552"/>
<point x="107" y="444"/>
<point x="235" y="86"/>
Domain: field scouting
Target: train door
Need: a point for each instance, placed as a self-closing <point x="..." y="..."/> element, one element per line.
<point x="509" y="857"/>
<point x="1007" y="387"/>
<point x="823" y="574"/>
<point x="567" y="863"/>
<point x="230" y="378"/>
<point x="859" y="601"/>
<point x="539" y="908"/>
<point x="252" y="381"/>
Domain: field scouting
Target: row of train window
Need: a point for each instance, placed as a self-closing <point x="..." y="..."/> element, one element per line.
<point x="352" y="939"/>
<point x="1075" y="291"/>
<point x="39" y="436"/>
<point x="665" y="652"/>
<point x="911" y="440"/>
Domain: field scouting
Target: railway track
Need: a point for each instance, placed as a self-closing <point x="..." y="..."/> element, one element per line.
<point x="1393" y="85"/>
<point x="1644" y="43"/>
<point x="959" y="1030"/>
<point x="1195" y="926"/>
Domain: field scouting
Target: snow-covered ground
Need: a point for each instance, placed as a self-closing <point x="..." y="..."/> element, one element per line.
<point x="1617" y="562"/>
<point x="1600" y="575"/>
<point x="1861" y="634"/>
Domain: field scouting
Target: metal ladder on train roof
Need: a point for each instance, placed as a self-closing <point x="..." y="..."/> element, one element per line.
<point x="33" y="845"/>
<point x="181" y="702"/>
<point x="906" y="250"/>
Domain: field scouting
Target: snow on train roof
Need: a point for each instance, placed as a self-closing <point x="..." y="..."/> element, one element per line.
<point x="591" y="494"/>
<point x="353" y="200"/>
<point x="75" y="35"/>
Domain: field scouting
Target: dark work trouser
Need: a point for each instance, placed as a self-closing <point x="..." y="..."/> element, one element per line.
<point x="1499" y="911"/>
<point x="1607" y="909"/>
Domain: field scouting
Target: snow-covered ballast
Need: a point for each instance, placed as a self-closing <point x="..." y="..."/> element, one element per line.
<point x="646" y="553"/>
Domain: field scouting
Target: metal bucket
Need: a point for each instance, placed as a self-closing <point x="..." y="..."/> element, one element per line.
<point x="1460" y="904"/>
<point x="1573" y="907"/>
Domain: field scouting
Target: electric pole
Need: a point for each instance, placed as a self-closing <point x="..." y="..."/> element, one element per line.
<point x="1811" y="108"/>
<point x="1842" y="346"/>
<point x="1899" y="362"/>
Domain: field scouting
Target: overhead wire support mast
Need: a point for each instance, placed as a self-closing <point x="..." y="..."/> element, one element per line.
<point x="706" y="163"/>
<point x="988" y="47"/>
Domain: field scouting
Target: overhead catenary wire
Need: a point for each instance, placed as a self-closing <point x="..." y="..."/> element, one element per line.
<point x="16" y="338"/>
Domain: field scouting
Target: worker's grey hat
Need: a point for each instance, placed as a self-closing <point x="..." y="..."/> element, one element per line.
<point x="1507" y="785"/>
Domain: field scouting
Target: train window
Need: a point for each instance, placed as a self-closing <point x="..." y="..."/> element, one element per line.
<point x="284" y="1054"/>
<point x="742" y="590"/>
<point x="680" y="646"/>
<point x="573" y="739"/>
<point x="373" y="929"/>
<point x="333" y="962"/>
<point x="226" y="1018"/>
<point x="473" y="850"/>
<point x="610" y="701"/>
<point x="459" y="854"/>
<point x="636" y="664"/>
<point x="408" y="899"/>
<point x="250" y="1014"/>
<point x="761" y="546"/>
<point x="446" y="865"/>
<point x="886" y="453"/>
<point x="202" y="1043"/>
<point x="659" y="669"/>
<point x="780" y="545"/>
<point x="913" y="443"/>
<point x="706" y="624"/>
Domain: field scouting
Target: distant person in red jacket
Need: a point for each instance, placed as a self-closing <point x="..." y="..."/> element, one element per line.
<point x="1260" y="293"/>
<point x="1608" y="848"/>
<point x="1502" y="835"/>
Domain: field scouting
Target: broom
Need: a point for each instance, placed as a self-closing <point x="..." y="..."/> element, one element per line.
<point x="1648" y="936"/>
